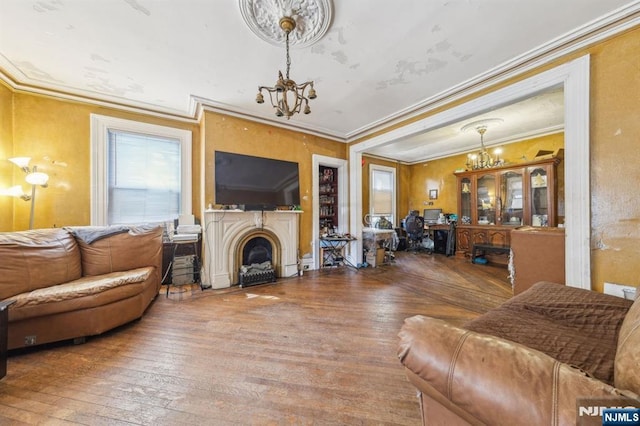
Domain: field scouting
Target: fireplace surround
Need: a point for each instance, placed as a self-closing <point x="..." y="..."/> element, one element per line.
<point x="227" y="232"/>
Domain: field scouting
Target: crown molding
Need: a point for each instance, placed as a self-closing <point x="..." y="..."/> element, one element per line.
<point x="593" y="32"/>
<point x="515" y="138"/>
<point x="103" y="101"/>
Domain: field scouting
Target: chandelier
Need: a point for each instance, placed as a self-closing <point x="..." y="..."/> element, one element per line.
<point x="287" y="97"/>
<point x="483" y="159"/>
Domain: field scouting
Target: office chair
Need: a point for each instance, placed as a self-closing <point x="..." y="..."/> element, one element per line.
<point x="414" y="227"/>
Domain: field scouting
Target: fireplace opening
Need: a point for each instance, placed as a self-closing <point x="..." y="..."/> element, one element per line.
<point x="257" y="262"/>
<point x="257" y="250"/>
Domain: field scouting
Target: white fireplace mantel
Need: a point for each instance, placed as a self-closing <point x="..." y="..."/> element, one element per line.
<point x="225" y="229"/>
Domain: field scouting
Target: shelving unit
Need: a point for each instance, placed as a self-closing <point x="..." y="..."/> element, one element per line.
<point x="328" y="198"/>
<point x="181" y="263"/>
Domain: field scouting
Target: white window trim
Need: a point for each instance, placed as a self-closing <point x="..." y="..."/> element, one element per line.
<point x="100" y="126"/>
<point x="376" y="167"/>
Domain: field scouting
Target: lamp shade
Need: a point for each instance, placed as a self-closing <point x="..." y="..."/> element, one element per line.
<point x="14" y="191"/>
<point x="37" y="178"/>
<point x="21" y="162"/>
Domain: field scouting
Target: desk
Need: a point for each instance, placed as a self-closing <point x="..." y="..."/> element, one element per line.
<point x="443" y="238"/>
<point x="4" y="335"/>
<point x="332" y="251"/>
<point x="374" y="239"/>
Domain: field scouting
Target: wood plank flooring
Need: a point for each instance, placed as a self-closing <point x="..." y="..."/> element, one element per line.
<point x="316" y="349"/>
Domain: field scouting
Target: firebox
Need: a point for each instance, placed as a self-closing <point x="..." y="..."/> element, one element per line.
<point x="257" y="262"/>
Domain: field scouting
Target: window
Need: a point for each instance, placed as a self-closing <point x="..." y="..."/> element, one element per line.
<point x="141" y="172"/>
<point x="382" y="200"/>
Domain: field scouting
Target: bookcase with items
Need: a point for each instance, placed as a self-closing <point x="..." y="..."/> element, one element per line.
<point x="328" y="199"/>
<point x="492" y="202"/>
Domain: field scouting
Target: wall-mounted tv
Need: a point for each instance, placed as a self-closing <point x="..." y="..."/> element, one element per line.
<point x="254" y="182"/>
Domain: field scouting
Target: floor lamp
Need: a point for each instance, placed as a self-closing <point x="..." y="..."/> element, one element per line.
<point x="33" y="178"/>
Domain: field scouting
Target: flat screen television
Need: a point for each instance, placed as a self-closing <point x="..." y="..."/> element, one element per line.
<point x="256" y="183"/>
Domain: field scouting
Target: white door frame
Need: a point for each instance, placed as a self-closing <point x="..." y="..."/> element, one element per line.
<point x="574" y="78"/>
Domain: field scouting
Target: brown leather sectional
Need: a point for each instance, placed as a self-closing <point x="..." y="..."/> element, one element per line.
<point x="75" y="282"/>
<point x="530" y="361"/>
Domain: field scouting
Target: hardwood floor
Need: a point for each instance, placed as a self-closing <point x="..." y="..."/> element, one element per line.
<point x="316" y="349"/>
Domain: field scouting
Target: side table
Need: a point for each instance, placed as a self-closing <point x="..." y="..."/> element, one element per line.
<point x="4" y="335"/>
<point x="184" y="272"/>
<point x="332" y="251"/>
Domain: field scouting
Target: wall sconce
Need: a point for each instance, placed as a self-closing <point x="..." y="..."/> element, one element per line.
<point x="33" y="178"/>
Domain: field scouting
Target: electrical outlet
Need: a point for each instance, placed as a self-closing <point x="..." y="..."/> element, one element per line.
<point x="29" y="340"/>
<point x="305" y="267"/>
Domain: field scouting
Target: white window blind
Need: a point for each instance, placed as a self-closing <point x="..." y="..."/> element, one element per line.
<point x="140" y="172"/>
<point x="143" y="178"/>
<point x="382" y="194"/>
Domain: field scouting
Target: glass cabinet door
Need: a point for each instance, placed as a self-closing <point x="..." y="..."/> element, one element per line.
<point x="511" y="198"/>
<point x="539" y="196"/>
<point x="465" y="201"/>
<point x="486" y="199"/>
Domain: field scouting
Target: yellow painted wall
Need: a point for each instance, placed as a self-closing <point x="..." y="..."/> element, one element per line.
<point x="438" y="174"/>
<point x="6" y="151"/>
<point x="55" y="134"/>
<point x="230" y="134"/>
<point x="615" y="160"/>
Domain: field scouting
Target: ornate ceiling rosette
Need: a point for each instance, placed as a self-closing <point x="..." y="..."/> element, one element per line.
<point x="312" y="18"/>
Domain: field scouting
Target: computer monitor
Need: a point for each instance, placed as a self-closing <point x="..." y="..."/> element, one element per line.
<point x="431" y="216"/>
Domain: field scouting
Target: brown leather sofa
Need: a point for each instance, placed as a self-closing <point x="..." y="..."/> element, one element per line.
<point x="530" y="361"/>
<point x="70" y="283"/>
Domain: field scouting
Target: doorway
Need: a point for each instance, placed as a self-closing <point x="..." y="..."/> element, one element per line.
<point x="574" y="78"/>
<point x="340" y="208"/>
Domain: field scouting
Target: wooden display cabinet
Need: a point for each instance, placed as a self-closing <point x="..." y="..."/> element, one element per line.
<point x="492" y="202"/>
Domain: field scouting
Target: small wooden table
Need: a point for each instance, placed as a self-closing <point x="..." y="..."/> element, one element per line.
<point x="4" y="335"/>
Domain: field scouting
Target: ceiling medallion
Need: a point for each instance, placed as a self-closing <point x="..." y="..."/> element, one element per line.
<point x="312" y="19"/>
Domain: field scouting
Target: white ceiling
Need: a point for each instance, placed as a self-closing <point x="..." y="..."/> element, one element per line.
<point x="379" y="61"/>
